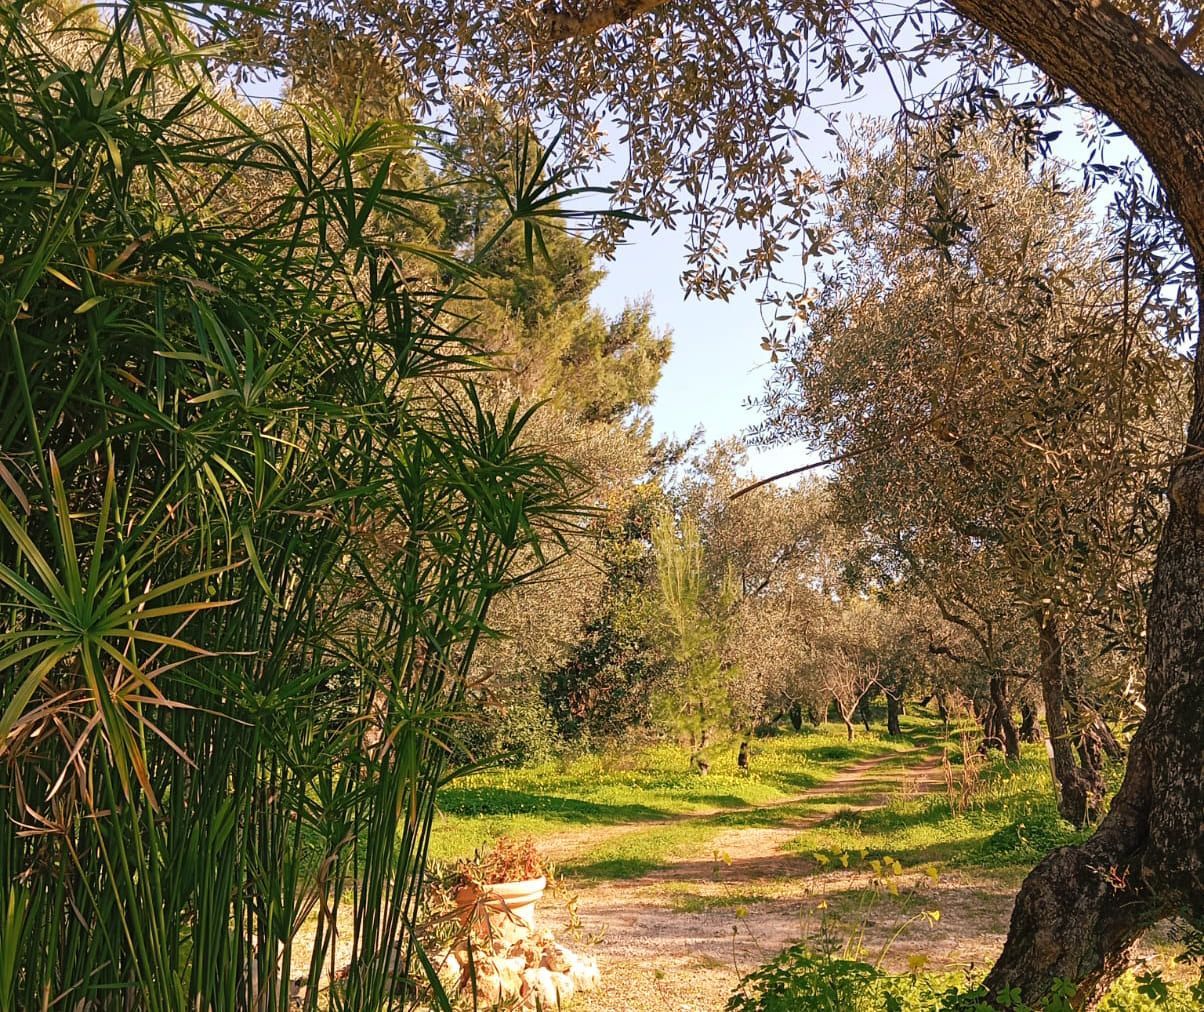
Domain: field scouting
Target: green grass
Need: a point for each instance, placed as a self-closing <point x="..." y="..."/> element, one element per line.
<point x="1009" y="823"/>
<point x="638" y="853"/>
<point x="652" y="785"/>
<point x="799" y="979"/>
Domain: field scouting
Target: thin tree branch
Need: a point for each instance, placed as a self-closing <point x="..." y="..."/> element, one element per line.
<point x="1191" y="36"/>
<point x="880" y="444"/>
<point x="559" y="22"/>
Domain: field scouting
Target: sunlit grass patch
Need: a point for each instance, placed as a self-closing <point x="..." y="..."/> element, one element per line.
<point x="1009" y="821"/>
<point x="641" y="851"/>
<point x="652" y="785"/>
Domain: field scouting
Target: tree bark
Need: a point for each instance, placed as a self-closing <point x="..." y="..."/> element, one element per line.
<point x="1080" y="910"/>
<point x="1079" y="789"/>
<point x="1095" y="737"/>
<point x="894" y="707"/>
<point x="1002" y="707"/>
<point x="1029" y="730"/>
<point x="942" y="711"/>
<point x="1113" y="749"/>
<point x="987" y="716"/>
<point x="796" y="716"/>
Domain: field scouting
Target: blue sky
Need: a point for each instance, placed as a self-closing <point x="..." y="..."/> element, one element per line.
<point x="717" y="361"/>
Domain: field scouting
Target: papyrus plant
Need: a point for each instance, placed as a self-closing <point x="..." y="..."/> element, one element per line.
<point x="252" y="516"/>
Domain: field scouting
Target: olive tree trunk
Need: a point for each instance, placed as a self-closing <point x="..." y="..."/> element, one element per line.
<point x="1080" y="789"/>
<point x="1095" y="737"/>
<point x="999" y="711"/>
<point x="1029" y="731"/>
<point x="1082" y="908"/>
<point x="894" y="708"/>
<point x="796" y="716"/>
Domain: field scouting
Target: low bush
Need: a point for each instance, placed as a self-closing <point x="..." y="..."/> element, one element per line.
<point x="802" y="980"/>
<point x="520" y="733"/>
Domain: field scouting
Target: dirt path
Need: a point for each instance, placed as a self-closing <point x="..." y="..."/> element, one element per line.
<point x="565" y="845"/>
<point x="680" y="937"/>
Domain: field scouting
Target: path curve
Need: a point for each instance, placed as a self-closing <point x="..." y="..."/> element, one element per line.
<point x="679" y="937"/>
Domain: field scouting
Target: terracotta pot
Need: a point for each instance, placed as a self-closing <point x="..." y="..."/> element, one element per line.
<point x="502" y="909"/>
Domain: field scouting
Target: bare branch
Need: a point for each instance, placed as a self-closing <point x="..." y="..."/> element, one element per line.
<point x="572" y="20"/>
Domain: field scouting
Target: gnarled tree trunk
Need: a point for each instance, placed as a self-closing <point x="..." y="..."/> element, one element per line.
<point x="796" y="716"/>
<point x="1081" y="909"/>
<point x="1080" y="789"/>
<point x="1001" y="705"/>
<point x="1030" y="731"/>
<point x="1095" y="739"/>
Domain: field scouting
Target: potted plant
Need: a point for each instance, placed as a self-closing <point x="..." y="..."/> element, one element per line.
<point x="496" y="890"/>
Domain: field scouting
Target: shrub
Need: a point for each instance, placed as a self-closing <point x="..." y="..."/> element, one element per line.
<point x="508" y="860"/>
<point x="801" y="980"/>
<point x="522" y="732"/>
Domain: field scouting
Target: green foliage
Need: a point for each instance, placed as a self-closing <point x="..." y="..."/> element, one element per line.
<point x="521" y="731"/>
<point x="801" y="980"/>
<point x="252" y="517"/>
<point x="1148" y="992"/>
<point x="605" y="684"/>
<point x="534" y="316"/>
<point x="693" y="703"/>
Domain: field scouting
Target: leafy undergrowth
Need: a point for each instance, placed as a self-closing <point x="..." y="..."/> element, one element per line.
<point x="1007" y="823"/>
<point x="650" y="785"/>
<point x="801" y="979"/>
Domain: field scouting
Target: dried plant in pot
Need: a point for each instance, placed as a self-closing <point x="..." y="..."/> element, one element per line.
<point x="496" y="890"/>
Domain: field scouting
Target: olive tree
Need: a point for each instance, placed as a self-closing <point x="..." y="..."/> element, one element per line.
<point x="1029" y="411"/>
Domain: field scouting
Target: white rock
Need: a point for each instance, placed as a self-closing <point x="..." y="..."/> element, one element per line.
<point x="450" y="973"/>
<point x="497" y="980"/>
<point x="488" y="986"/>
<point x="557" y="958"/>
<point x="564" y="987"/>
<point x="546" y="996"/>
<point x="585" y="973"/>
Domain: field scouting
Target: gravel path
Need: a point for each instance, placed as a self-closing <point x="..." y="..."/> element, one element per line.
<point x="680" y="937"/>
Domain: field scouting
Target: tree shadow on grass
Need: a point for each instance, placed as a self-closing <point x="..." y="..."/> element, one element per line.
<point x="985" y="839"/>
<point x="609" y="869"/>
<point x="797" y="782"/>
<point x="720" y="801"/>
<point x="470" y="801"/>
